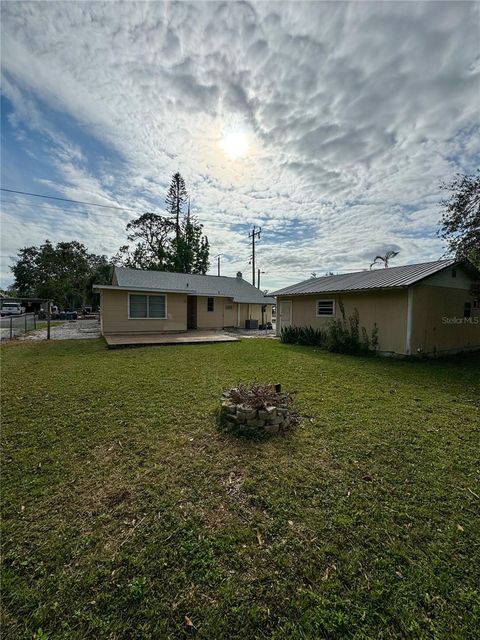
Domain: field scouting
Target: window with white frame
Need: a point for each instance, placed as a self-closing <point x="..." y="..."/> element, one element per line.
<point x="325" y="308"/>
<point x="210" y="304"/>
<point x="146" y="307"/>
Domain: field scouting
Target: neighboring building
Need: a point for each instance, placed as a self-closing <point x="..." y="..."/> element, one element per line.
<point x="428" y="308"/>
<point x="31" y="305"/>
<point x="158" y="301"/>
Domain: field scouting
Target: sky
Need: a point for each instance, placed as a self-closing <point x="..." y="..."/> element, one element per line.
<point x="329" y="124"/>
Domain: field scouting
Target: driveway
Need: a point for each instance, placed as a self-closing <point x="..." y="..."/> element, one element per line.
<point x="70" y="330"/>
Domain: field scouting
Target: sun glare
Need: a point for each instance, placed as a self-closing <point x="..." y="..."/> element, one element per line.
<point x="234" y="143"/>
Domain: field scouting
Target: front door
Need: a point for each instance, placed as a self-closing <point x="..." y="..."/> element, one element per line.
<point x="228" y="314"/>
<point x="285" y="315"/>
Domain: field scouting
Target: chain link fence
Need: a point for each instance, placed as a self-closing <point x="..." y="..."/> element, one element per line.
<point x="13" y="326"/>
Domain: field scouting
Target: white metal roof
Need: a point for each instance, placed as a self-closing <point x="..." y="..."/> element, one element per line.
<point x="390" y="278"/>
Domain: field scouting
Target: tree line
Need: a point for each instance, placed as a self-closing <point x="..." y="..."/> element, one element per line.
<point x="66" y="271"/>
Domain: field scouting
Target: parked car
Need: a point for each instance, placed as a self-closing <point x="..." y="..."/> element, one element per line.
<point x="12" y="309"/>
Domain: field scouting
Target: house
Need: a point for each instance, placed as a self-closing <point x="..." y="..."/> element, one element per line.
<point x="429" y="308"/>
<point x="150" y="302"/>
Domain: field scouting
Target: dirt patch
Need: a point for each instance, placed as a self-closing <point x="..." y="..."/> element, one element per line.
<point x="70" y="330"/>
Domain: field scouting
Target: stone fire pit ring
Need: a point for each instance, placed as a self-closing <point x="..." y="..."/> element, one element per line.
<point x="257" y="410"/>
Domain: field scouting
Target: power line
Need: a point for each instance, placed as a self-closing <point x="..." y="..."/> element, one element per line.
<point x="53" y="208"/>
<point x="22" y="203"/>
<point x="90" y="204"/>
<point x="103" y="235"/>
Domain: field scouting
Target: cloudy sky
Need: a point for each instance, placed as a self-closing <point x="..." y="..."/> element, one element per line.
<point x="331" y="125"/>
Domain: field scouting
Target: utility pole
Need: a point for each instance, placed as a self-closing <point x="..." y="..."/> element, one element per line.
<point x="218" y="262"/>
<point x="258" y="277"/>
<point x="255" y="234"/>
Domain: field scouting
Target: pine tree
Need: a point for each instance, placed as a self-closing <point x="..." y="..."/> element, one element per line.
<point x="193" y="247"/>
<point x="177" y="196"/>
<point x="164" y="244"/>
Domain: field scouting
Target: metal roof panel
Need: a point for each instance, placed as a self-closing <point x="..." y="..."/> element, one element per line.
<point x="390" y="278"/>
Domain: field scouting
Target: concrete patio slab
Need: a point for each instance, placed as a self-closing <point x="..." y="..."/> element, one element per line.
<point x="187" y="337"/>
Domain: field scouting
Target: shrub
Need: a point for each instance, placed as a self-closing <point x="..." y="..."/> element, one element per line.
<point x="306" y="336"/>
<point x="342" y="335"/>
<point x="289" y="335"/>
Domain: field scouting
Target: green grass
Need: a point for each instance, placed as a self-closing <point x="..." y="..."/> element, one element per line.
<point x="125" y="509"/>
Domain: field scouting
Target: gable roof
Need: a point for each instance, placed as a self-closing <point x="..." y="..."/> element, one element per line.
<point x="191" y="284"/>
<point x="390" y="278"/>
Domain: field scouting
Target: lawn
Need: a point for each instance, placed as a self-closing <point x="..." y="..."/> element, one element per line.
<point x="127" y="514"/>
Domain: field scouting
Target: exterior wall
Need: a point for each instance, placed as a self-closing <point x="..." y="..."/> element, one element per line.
<point x="214" y="319"/>
<point x="243" y="315"/>
<point x="114" y="314"/>
<point x="445" y="278"/>
<point x="438" y="324"/>
<point x="220" y="317"/>
<point x="388" y="309"/>
<point x="254" y="312"/>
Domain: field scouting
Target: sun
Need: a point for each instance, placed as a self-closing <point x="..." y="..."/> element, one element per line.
<point x="234" y="143"/>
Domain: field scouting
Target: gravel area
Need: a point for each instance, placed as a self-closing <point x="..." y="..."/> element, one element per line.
<point x="250" y="333"/>
<point x="74" y="330"/>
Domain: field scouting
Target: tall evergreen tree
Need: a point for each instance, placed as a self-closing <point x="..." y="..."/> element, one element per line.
<point x="165" y="244"/>
<point x="176" y="198"/>
<point x="193" y="247"/>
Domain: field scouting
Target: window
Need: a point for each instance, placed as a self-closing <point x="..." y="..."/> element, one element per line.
<point x="210" y="304"/>
<point x="147" y="307"/>
<point x="156" y="306"/>
<point x="325" y="308"/>
<point x="467" y="310"/>
<point x="138" y="306"/>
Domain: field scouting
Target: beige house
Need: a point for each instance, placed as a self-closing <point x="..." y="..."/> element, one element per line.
<point x="427" y="308"/>
<point x="151" y="302"/>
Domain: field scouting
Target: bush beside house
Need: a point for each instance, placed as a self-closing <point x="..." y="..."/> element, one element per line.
<point x="343" y="335"/>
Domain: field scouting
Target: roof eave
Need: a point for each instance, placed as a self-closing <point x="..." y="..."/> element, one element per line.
<point x="114" y="287"/>
<point x="364" y="290"/>
<point x="188" y="292"/>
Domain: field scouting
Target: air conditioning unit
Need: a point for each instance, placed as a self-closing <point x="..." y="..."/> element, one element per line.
<point x="251" y="324"/>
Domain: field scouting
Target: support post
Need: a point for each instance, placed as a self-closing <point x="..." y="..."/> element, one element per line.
<point x="48" y="319"/>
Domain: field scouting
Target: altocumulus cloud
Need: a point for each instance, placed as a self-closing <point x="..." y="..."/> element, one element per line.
<point x="354" y="113"/>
